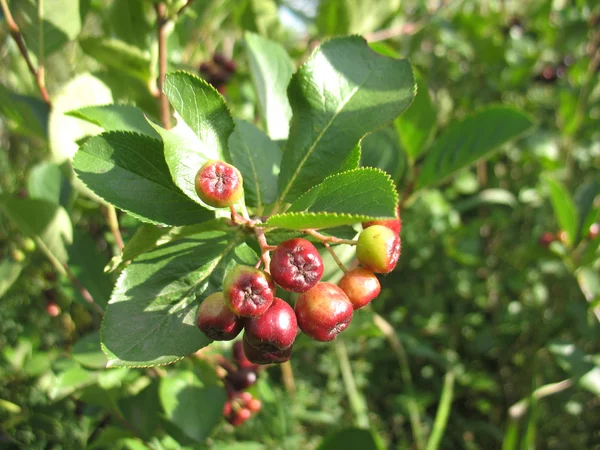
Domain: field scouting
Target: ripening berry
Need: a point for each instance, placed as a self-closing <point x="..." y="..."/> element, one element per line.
<point x="239" y="357"/>
<point x="258" y="356"/>
<point x="274" y="330"/>
<point x="254" y="405"/>
<point x="248" y="291"/>
<point x="361" y="286"/>
<point x="393" y="224"/>
<point x="296" y="265"/>
<point x="378" y="249"/>
<point x="239" y="417"/>
<point x="546" y="239"/>
<point x="324" y="311"/>
<point x="219" y="184"/>
<point x="52" y="309"/>
<point x="594" y="231"/>
<point x="216" y="320"/>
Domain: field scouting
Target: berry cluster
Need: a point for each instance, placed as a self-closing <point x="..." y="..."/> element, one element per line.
<point x="548" y="237"/>
<point x="218" y="71"/>
<point x="323" y="310"/>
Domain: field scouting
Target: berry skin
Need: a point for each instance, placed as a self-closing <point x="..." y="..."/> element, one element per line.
<point x="248" y="291"/>
<point x="242" y="379"/>
<point x="274" y="330"/>
<point x="296" y="265"/>
<point x="240" y="357"/>
<point x="216" y="320"/>
<point x="52" y="309"/>
<point x="324" y="311"/>
<point x="361" y="286"/>
<point x="393" y="224"/>
<point x="258" y="356"/>
<point x="219" y="184"/>
<point x="378" y="249"/>
<point x="254" y="405"/>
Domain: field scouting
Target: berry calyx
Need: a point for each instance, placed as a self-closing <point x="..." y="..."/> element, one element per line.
<point x="216" y="320"/>
<point x="393" y="224"/>
<point x="258" y="356"/>
<point x="296" y="265"/>
<point x="219" y="184"/>
<point x="361" y="286"/>
<point x="324" y="311"/>
<point x="274" y="330"/>
<point x="378" y="249"/>
<point x="248" y="291"/>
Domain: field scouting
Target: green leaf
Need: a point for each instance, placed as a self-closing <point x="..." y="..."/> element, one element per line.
<point x="116" y="118"/>
<point x="44" y="182"/>
<point x="9" y="273"/>
<point x="142" y="412"/>
<point x="486" y="197"/>
<point x="59" y="22"/>
<point x="129" y="171"/>
<point x="342" y="199"/>
<point x="564" y="208"/>
<point x="576" y="363"/>
<point x="118" y="55"/>
<point x="338" y="17"/>
<point x="417" y="124"/>
<point x="257" y="158"/>
<point x="203" y="128"/>
<point x="586" y="214"/>
<point x="46" y="222"/>
<point x="130" y="23"/>
<point x="381" y="149"/>
<point x="88" y="353"/>
<point x="469" y="140"/>
<point x="25" y="115"/>
<point x="351" y="438"/>
<point x="181" y="393"/>
<point x="344" y="91"/>
<point x="151" y="316"/>
<point x="271" y="69"/>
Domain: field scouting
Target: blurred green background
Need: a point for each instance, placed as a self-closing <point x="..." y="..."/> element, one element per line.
<point x="495" y="302"/>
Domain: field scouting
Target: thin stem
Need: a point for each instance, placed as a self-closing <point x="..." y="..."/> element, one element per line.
<point x="413" y="409"/>
<point x="265" y="247"/>
<point x="335" y="257"/>
<point x="328" y="239"/>
<point x="161" y="21"/>
<point x="441" y="417"/>
<point x="15" y="32"/>
<point x="287" y="374"/>
<point x="40" y="78"/>
<point x="517" y="410"/>
<point x="113" y="224"/>
<point x="357" y="403"/>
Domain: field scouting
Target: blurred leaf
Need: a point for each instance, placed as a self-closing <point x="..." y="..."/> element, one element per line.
<point x="584" y="199"/>
<point x="118" y="55"/>
<point x="337" y="17"/>
<point x="271" y="69"/>
<point x="260" y="16"/>
<point x="142" y="411"/>
<point x="204" y="125"/>
<point x="129" y="171"/>
<point x="151" y="317"/>
<point x="465" y="142"/>
<point x="381" y="149"/>
<point x="193" y="407"/>
<point x="344" y="91"/>
<point x="88" y="353"/>
<point x="109" y="437"/>
<point x="351" y="438"/>
<point x="487" y="197"/>
<point x="257" y="158"/>
<point x="129" y="22"/>
<point x="342" y="199"/>
<point x="71" y="380"/>
<point x="577" y="364"/>
<point x="116" y="118"/>
<point x="9" y="273"/>
<point x="60" y="22"/>
<point x="564" y="208"/>
<point x="47" y="223"/>
<point x="44" y="182"/>
<point x="417" y="124"/>
<point x="25" y="115"/>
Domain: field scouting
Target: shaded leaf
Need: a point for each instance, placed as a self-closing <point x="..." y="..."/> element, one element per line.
<point x="116" y="118"/>
<point x="88" y="353"/>
<point x="44" y="182"/>
<point x="9" y="273"/>
<point x="118" y="55"/>
<point x="351" y="438"/>
<point x="586" y="215"/>
<point x="381" y="149"/>
<point x="25" y="115"/>
<point x="564" y="208"/>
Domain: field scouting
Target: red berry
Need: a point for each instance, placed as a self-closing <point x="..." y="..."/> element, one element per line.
<point x="240" y="357"/>
<point x="227" y="408"/>
<point x="361" y="286"/>
<point x="258" y="356"/>
<point x="216" y="320"/>
<point x="245" y="397"/>
<point x="393" y="224"/>
<point x="242" y="379"/>
<point x="254" y="405"/>
<point x="378" y="249"/>
<point x="52" y="309"/>
<point x="594" y="231"/>
<point x="248" y="291"/>
<point x="324" y="311"/>
<point x="219" y="184"/>
<point x="546" y="239"/>
<point x="274" y="330"/>
<point x="296" y="265"/>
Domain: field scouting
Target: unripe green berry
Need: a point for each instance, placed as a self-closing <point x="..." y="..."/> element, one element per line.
<point x="378" y="249"/>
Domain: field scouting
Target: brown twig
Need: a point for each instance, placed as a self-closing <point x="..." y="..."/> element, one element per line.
<point x="15" y="32"/>
<point x="82" y="290"/>
<point x="161" y="22"/>
<point x="287" y="375"/>
<point x="265" y="248"/>
<point x="328" y="239"/>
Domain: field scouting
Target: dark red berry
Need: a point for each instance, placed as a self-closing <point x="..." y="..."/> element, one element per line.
<point x="230" y="66"/>
<point x="240" y="417"/>
<point x="219" y="58"/>
<point x="378" y="249"/>
<point x="393" y="224"/>
<point x="546" y="239"/>
<point x="239" y="356"/>
<point x="242" y="379"/>
<point x="219" y="184"/>
<point x="205" y="68"/>
<point x="296" y="265"/>
<point x="248" y="291"/>
<point x="263" y="357"/>
<point x="361" y="286"/>
<point x="324" y="311"/>
<point x="274" y="330"/>
<point x="216" y="320"/>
